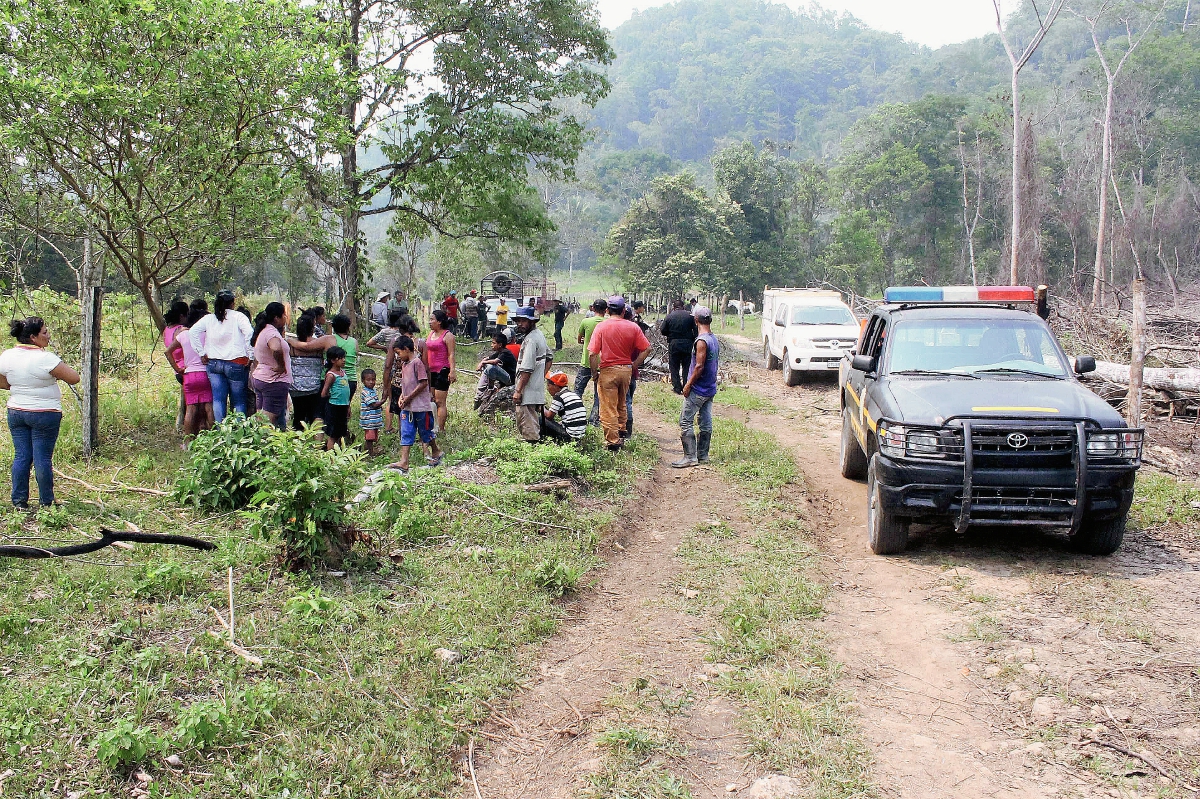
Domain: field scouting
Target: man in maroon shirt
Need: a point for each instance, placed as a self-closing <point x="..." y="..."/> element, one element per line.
<point x="617" y="347"/>
<point x="450" y="306"/>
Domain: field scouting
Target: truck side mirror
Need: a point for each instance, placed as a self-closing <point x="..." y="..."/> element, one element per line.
<point x="1085" y="364"/>
<point x="779" y="324"/>
<point x="862" y="363"/>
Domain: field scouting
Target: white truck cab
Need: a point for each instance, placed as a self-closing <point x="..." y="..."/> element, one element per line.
<point x="806" y="330"/>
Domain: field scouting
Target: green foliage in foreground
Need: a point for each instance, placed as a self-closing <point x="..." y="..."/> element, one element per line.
<point x="111" y="667"/>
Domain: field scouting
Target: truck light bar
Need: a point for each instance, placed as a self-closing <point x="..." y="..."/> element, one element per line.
<point x="900" y="294"/>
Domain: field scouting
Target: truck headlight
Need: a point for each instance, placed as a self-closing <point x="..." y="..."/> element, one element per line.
<point x="1104" y="445"/>
<point x="924" y="443"/>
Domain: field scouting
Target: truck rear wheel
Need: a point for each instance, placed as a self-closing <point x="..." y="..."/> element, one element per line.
<point x="1099" y="536"/>
<point x="888" y="534"/>
<point x="850" y="455"/>
<point x="790" y="376"/>
<point x="772" y="361"/>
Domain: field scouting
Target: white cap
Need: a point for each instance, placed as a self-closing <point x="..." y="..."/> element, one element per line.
<point x="701" y="311"/>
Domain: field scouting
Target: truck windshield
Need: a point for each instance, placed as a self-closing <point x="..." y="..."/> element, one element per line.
<point x="970" y="346"/>
<point x="821" y="315"/>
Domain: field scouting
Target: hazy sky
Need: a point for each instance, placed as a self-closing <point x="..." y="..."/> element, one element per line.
<point x="929" y="22"/>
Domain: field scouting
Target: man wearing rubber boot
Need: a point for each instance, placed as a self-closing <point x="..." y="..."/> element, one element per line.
<point x="698" y="392"/>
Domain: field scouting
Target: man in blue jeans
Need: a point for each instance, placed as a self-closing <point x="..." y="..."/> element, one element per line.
<point x="698" y="392"/>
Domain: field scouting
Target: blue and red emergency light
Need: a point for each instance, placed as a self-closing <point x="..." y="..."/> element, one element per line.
<point x="899" y="294"/>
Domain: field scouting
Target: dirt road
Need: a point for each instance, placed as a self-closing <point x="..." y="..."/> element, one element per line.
<point x="996" y="664"/>
<point x="984" y="664"/>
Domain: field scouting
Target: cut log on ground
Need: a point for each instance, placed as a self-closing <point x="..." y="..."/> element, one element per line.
<point x="1159" y="379"/>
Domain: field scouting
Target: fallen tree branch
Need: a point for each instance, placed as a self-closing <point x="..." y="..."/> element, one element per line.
<point x="107" y="538"/>
<point x="1158" y="379"/>
<point x="509" y="516"/>
<point x="1149" y="761"/>
<point x="115" y="487"/>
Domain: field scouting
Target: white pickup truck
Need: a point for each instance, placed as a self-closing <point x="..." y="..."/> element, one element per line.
<point x="806" y="330"/>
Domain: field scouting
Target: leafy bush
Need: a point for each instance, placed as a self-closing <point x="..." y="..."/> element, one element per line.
<point x="227" y="463"/>
<point x="204" y="723"/>
<point x="517" y="462"/>
<point x="312" y="607"/>
<point x="411" y="507"/>
<point x="555" y="577"/>
<point x="166" y="580"/>
<point x="302" y="495"/>
<point x="125" y="745"/>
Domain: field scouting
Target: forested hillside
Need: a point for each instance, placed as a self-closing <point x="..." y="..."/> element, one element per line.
<point x="829" y="151"/>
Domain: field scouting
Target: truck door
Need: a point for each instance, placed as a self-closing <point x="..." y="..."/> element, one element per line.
<point x="858" y="383"/>
<point x="779" y="330"/>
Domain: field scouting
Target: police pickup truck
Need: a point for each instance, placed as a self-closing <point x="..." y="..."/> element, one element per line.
<point x="959" y="406"/>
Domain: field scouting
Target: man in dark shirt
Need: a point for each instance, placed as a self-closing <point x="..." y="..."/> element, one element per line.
<point x="561" y="312"/>
<point x="679" y="328"/>
<point x="498" y="368"/>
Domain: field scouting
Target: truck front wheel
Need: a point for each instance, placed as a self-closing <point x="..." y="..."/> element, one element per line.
<point x="888" y="534"/>
<point x="772" y="361"/>
<point x="1099" y="536"/>
<point x="790" y="376"/>
<point x="851" y="457"/>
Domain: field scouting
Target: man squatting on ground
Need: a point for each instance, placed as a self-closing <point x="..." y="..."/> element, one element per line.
<point x="565" y="405"/>
<point x="679" y="328"/>
<point x="618" y="346"/>
<point x="497" y="368"/>
<point x="698" y="392"/>
<point x="533" y="364"/>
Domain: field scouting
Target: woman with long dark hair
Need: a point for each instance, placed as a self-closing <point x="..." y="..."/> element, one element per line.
<point x="308" y="372"/>
<point x="197" y="393"/>
<point x="272" y="375"/>
<point x="439" y="358"/>
<point x="223" y="340"/>
<point x="31" y="373"/>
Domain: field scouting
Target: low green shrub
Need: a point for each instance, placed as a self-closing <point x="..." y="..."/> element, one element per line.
<point x="556" y="577"/>
<point x="125" y="745"/>
<point x="226" y="466"/>
<point x="302" y="496"/>
<point x="518" y="462"/>
<point x="167" y="580"/>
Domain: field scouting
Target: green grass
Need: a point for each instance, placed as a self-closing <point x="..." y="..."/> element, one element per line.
<point x="1160" y="499"/>
<point x="764" y="593"/>
<point x="108" y="657"/>
<point x="743" y="398"/>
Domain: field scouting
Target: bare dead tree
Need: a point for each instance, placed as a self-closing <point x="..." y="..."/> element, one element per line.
<point x="969" y="227"/>
<point x="1018" y="63"/>
<point x="1111" y="73"/>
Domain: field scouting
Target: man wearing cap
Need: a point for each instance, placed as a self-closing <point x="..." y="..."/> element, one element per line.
<point x="586" y="328"/>
<point x="379" y="310"/>
<point x="450" y="306"/>
<point x="567" y="405"/>
<point x="618" y="346"/>
<point x="470" y="308"/>
<point x="533" y="363"/>
<point x="679" y="329"/>
<point x="698" y="393"/>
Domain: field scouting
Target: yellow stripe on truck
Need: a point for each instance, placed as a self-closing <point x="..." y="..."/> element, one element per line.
<point x="997" y="408"/>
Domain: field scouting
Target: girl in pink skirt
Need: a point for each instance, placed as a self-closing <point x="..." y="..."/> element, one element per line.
<point x="197" y="393"/>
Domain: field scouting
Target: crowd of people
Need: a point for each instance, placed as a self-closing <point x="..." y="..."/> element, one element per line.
<point x="225" y="362"/>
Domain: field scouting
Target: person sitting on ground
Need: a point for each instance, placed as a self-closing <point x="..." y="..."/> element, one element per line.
<point x="498" y="368"/>
<point x="411" y="400"/>
<point x="336" y="393"/>
<point x="565" y="405"/>
<point x="370" y="412"/>
<point x="197" y="392"/>
<point x="533" y="364"/>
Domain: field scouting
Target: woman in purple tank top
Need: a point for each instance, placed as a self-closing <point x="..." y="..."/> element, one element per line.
<point x="439" y="358"/>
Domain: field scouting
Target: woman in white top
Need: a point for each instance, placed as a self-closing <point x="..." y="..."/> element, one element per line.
<point x="31" y="373"/>
<point x="223" y="341"/>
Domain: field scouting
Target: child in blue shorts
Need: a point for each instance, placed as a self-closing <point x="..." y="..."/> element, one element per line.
<point x="414" y="405"/>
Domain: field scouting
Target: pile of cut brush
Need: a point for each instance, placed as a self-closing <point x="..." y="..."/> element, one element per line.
<point x="1171" y="381"/>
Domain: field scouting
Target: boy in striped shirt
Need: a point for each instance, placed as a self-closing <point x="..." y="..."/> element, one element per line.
<point x="565" y="418"/>
<point x="370" y="412"/>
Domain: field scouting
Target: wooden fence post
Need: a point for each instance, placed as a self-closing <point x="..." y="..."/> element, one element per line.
<point x="1137" y="363"/>
<point x="92" y="309"/>
<point x="741" y="311"/>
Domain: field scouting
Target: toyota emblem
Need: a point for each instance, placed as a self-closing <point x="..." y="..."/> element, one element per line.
<point x="1018" y="440"/>
<point x="835" y="345"/>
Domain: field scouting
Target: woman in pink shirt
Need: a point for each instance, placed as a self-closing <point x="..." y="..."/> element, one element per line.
<point x="197" y="393"/>
<point x="439" y="358"/>
<point x="272" y="376"/>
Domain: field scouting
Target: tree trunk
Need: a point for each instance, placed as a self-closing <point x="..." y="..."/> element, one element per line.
<point x="1137" y="363"/>
<point x="91" y="298"/>
<point x="1175" y="380"/>
<point x="348" y="272"/>
<point x="1102" y="212"/>
<point x="1016" y="182"/>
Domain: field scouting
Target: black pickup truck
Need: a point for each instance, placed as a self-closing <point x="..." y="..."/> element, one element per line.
<point x="970" y="412"/>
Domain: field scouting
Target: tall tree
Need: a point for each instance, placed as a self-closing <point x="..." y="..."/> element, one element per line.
<point x="1112" y="71"/>
<point x="1017" y="62"/>
<point x="163" y="121"/>
<point x="448" y="103"/>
